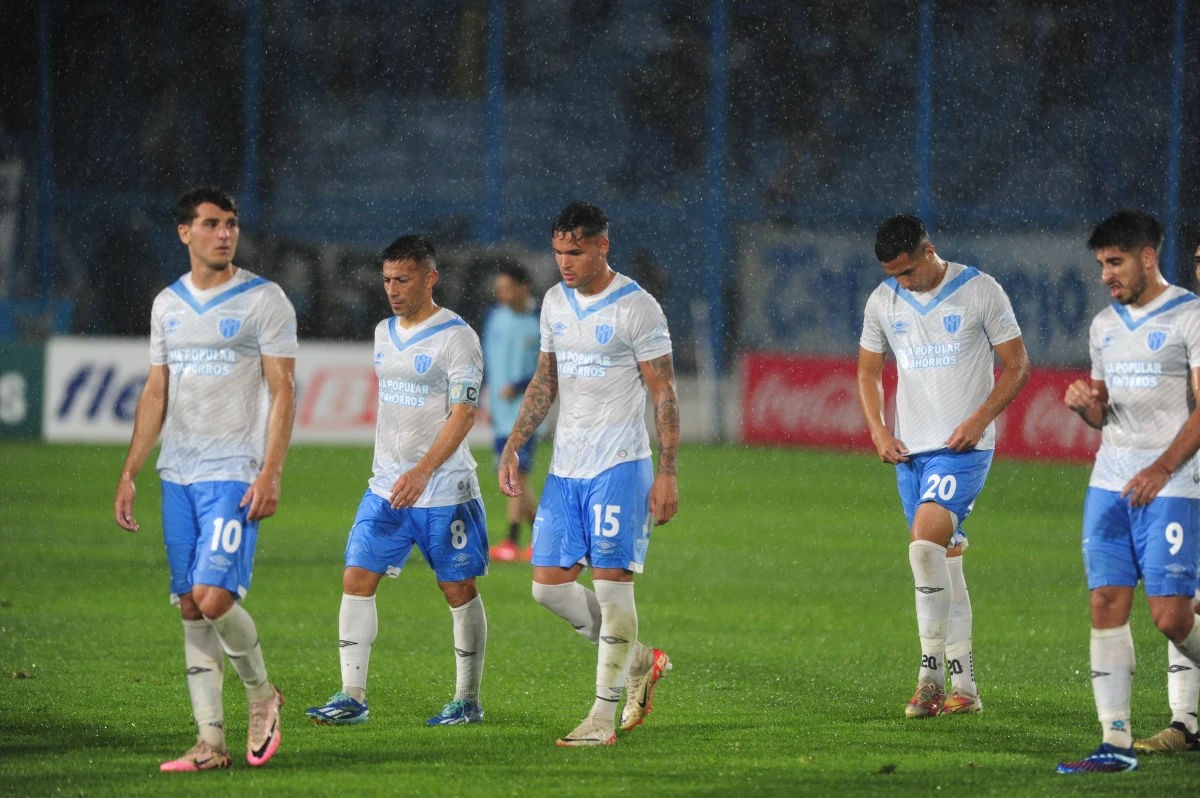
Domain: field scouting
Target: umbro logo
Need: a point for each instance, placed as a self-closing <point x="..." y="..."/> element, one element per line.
<point x="1178" y="668"/>
<point x="1098" y="674"/>
<point x="194" y="671"/>
<point x="344" y="643"/>
<point x="612" y="641"/>
<point x="928" y="590"/>
<point x="462" y="653"/>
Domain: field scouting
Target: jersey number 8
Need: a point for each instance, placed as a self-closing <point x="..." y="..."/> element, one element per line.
<point x="227" y="536"/>
<point x="458" y="534"/>
<point x="942" y="487"/>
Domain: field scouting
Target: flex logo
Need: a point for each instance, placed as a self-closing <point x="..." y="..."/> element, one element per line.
<point x="93" y="389"/>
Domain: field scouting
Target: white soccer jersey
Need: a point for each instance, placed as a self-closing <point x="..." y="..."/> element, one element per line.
<point x="212" y="342"/>
<point x="942" y="341"/>
<point x="598" y="342"/>
<point x="422" y="371"/>
<point x="1145" y="357"/>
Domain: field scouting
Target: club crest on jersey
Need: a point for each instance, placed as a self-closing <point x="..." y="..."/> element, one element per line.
<point x="422" y="363"/>
<point x="229" y="327"/>
<point x="952" y="322"/>
<point x="604" y="333"/>
<point x="1155" y="340"/>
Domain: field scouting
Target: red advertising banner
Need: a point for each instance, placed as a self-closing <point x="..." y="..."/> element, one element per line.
<point x="812" y="401"/>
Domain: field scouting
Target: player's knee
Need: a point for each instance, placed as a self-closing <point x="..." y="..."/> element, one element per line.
<point x="1174" y="622"/>
<point x="213" y="602"/>
<point x="188" y="608"/>
<point x="1110" y="607"/>
<point x="359" y="582"/>
<point x="459" y="593"/>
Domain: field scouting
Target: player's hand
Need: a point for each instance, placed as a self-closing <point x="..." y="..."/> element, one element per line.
<point x="262" y="496"/>
<point x="966" y="435"/>
<point x="1146" y="484"/>
<point x="891" y="450"/>
<point x="123" y="504"/>
<point x="508" y="392"/>
<point x="664" y="499"/>
<point x="1081" y="397"/>
<point x="408" y="488"/>
<point x="507" y="474"/>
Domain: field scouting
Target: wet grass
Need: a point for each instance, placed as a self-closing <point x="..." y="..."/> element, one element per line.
<point x="781" y="591"/>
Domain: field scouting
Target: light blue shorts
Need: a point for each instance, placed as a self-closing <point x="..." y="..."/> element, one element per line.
<point x="603" y="522"/>
<point x="208" y="538"/>
<point x="1157" y="543"/>
<point x="945" y="477"/>
<point x="452" y="539"/>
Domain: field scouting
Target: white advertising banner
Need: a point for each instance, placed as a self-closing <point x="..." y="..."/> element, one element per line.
<point x="93" y="384"/>
<point x="804" y="291"/>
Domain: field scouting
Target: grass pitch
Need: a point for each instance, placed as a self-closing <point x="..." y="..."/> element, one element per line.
<point x="782" y="592"/>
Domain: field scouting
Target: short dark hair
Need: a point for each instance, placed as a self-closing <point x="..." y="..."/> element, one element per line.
<point x="1129" y="230"/>
<point x="514" y="270"/>
<point x="582" y="220"/>
<point x="411" y="247"/>
<point x="185" y="209"/>
<point x="898" y="235"/>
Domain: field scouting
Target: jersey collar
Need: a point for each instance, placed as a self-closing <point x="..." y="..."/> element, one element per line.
<point x="583" y="313"/>
<point x="1131" y="325"/>
<point x="968" y="274"/>
<point x="428" y="332"/>
<point x="182" y="291"/>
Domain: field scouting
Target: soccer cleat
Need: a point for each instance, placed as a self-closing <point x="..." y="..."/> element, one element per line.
<point x="639" y="691"/>
<point x="339" y="710"/>
<point x="202" y="756"/>
<point x="588" y="733"/>
<point x="262" y="739"/>
<point x="926" y="702"/>
<point x="961" y="703"/>
<point x="1105" y="759"/>
<point x="505" y="551"/>
<point x="1175" y="737"/>
<point x="457" y="712"/>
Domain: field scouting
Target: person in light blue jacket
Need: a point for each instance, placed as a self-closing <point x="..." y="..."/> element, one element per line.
<point x="510" y="353"/>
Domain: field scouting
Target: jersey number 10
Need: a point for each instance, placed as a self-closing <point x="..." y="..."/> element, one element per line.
<point x="226" y="535"/>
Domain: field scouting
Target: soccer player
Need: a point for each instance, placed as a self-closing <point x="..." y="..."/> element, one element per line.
<point x="605" y="344"/>
<point x="943" y="323"/>
<point x="221" y="390"/>
<point x="423" y="491"/>
<point x="510" y="353"/>
<point x="1143" y="502"/>
<point x="1183" y="681"/>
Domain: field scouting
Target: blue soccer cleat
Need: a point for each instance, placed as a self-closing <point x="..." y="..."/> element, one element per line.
<point x="1105" y="759"/>
<point x="458" y="711"/>
<point x="339" y="710"/>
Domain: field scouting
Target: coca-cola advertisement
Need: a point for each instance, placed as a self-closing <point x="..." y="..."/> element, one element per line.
<point x="800" y="400"/>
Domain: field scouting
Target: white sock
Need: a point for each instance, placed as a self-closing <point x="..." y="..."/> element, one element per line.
<point x="205" y="676"/>
<point x="932" y="577"/>
<point x="1190" y="647"/>
<point x="1183" y="687"/>
<point x="575" y="604"/>
<point x="1112" y="682"/>
<point x="239" y="638"/>
<point x="960" y="661"/>
<point x="618" y="636"/>
<point x="358" y="624"/>
<point x="643" y="659"/>
<point x="470" y="640"/>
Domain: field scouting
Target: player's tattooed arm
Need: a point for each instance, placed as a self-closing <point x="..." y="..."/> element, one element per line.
<point x="147" y="424"/>
<point x="539" y="397"/>
<point x="659" y="376"/>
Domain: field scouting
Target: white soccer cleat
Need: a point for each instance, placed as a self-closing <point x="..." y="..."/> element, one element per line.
<point x="590" y="732"/>
<point x="639" y="691"/>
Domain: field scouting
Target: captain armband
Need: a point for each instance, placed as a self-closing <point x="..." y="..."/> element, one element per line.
<point x="464" y="393"/>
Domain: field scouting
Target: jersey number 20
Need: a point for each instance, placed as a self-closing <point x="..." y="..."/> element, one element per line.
<point x="942" y="487"/>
